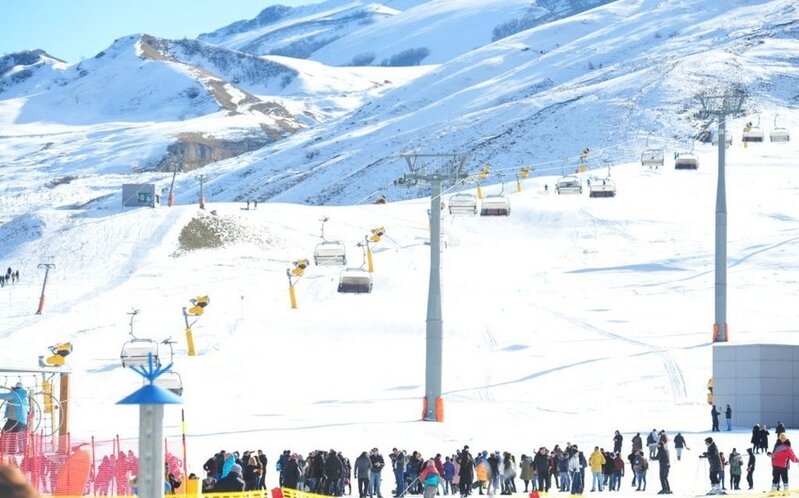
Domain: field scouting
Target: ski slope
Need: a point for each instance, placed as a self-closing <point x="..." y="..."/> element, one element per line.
<point x="567" y="320"/>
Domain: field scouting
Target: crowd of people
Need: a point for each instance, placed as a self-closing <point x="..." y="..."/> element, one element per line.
<point x="9" y="277"/>
<point x="563" y="468"/>
<point x="231" y="472"/>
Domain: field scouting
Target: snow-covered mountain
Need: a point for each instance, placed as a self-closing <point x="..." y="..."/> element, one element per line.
<point x="22" y="70"/>
<point x="298" y="31"/>
<point x="435" y="32"/>
<point x="609" y="78"/>
<point x="605" y="79"/>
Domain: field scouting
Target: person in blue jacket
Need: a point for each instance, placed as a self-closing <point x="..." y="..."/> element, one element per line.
<point x="17" y="407"/>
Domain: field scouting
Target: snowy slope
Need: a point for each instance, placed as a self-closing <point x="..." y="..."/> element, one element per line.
<point x="298" y="31"/>
<point x="606" y="79"/>
<point x="17" y="70"/>
<point x="435" y="32"/>
<point x="569" y="319"/>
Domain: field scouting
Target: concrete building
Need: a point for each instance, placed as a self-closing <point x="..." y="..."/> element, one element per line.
<point x="140" y="194"/>
<point x="760" y="382"/>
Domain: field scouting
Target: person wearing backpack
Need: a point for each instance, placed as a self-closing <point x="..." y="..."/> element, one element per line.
<point x="640" y="467"/>
<point x="430" y="479"/>
<point x="736" y="464"/>
<point x="652" y="442"/>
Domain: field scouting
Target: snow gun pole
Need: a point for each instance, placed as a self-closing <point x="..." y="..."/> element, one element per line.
<point x="369" y="261"/>
<point x="47" y="267"/>
<point x="183" y="437"/>
<point x="202" y="196"/>
<point x="189" y="334"/>
<point x="172" y="187"/>
<point x="292" y="295"/>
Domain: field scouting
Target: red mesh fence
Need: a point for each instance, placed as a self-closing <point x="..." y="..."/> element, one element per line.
<point x="64" y="466"/>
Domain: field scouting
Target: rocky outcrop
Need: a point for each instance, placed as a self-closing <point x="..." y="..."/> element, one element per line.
<point x="194" y="150"/>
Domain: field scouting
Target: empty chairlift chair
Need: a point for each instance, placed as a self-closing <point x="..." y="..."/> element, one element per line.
<point x="136" y="352"/>
<point x="569" y="185"/>
<point x="463" y="204"/>
<point x="330" y="254"/>
<point x="779" y="134"/>
<point x="171" y="381"/>
<point x="602" y="187"/>
<point x="652" y="158"/>
<point x="686" y="160"/>
<point x="355" y="281"/>
<point x="495" y="205"/>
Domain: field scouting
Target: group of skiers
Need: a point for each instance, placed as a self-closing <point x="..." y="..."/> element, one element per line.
<point x="9" y="277"/>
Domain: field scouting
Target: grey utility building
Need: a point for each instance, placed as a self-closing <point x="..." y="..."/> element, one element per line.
<point x="140" y="194"/>
<point x="760" y="382"/>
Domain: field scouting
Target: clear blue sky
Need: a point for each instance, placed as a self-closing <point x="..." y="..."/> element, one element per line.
<point x="76" y="29"/>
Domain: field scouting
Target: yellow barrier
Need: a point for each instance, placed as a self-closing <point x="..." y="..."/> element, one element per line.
<point x="293" y="493"/>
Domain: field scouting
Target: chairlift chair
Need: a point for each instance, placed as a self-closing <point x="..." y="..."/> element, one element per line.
<point x="569" y="185"/>
<point x="752" y="133"/>
<point x="463" y="204"/>
<point x="495" y="205"/>
<point x="355" y="281"/>
<point x="686" y="160"/>
<point x="652" y="157"/>
<point x="330" y="253"/>
<point x="171" y="381"/>
<point x="780" y="135"/>
<point x="727" y="139"/>
<point x="602" y="187"/>
<point x="136" y="352"/>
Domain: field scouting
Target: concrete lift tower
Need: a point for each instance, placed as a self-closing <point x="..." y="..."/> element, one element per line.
<point x="433" y="169"/>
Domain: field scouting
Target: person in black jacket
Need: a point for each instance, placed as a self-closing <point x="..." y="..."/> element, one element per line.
<point x="466" y="472"/>
<point x="714" y="461"/>
<point x="637" y="442"/>
<point x="541" y="462"/>
<point x="755" y="440"/>
<point x="617" y="440"/>
<point x="291" y="473"/>
<point x="663" y="458"/>
<point x="780" y="429"/>
<point x="232" y="482"/>
<point x="679" y="444"/>
<point x="333" y="472"/>
<point x="263" y="460"/>
<point x="714" y="413"/>
<point x="750" y="468"/>
<point x="728" y="417"/>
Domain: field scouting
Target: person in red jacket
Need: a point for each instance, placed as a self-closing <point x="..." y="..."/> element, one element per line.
<point x="779" y="462"/>
<point x="430" y="478"/>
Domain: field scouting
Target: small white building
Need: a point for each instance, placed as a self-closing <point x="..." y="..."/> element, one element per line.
<point x="140" y="194"/>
